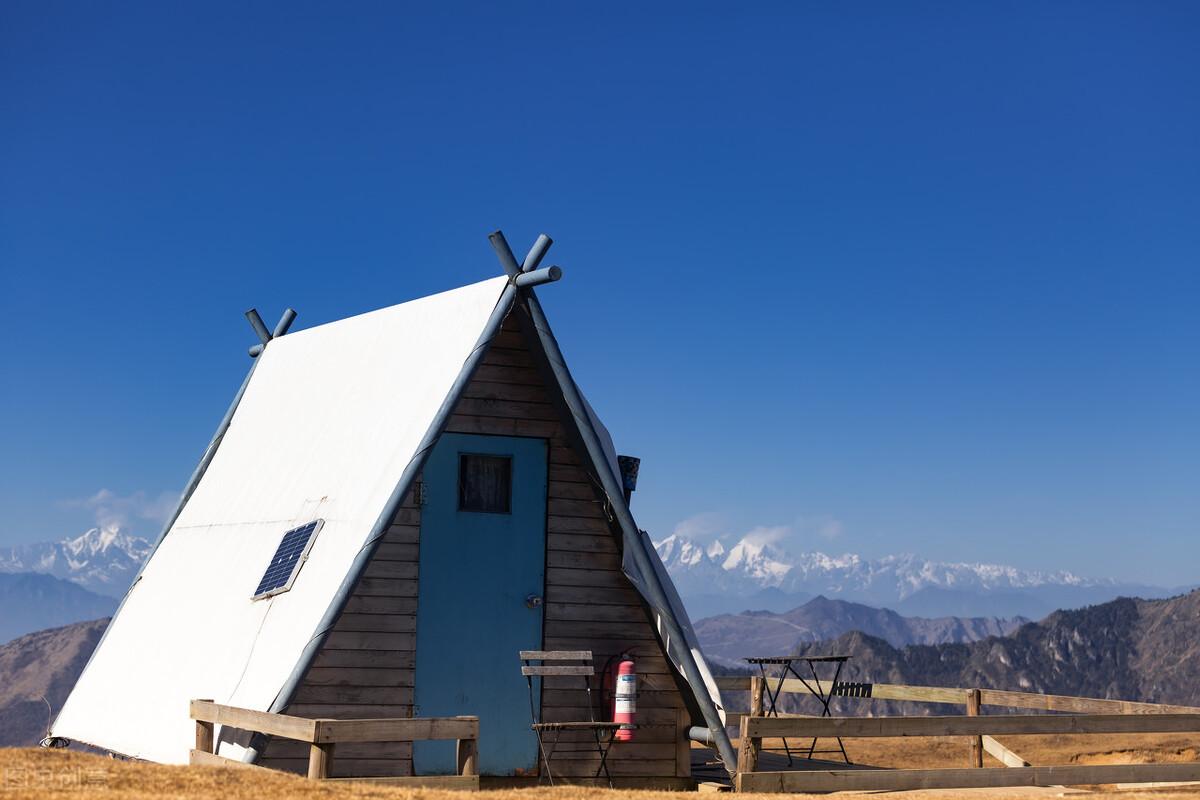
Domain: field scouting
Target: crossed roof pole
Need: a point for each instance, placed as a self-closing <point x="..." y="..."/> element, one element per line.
<point x="526" y="274"/>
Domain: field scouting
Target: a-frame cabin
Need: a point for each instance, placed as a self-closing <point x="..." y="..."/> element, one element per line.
<point x="450" y="500"/>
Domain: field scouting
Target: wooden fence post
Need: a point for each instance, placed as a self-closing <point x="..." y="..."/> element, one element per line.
<point x="973" y="703"/>
<point x="749" y="748"/>
<point x="320" y="757"/>
<point x="204" y="734"/>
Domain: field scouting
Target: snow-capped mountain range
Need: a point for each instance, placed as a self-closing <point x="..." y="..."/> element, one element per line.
<point x="102" y="560"/>
<point x="712" y="579"/>
<point x="754" y="574"/>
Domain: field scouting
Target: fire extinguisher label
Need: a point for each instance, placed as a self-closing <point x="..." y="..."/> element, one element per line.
<point x="625" y="701"/>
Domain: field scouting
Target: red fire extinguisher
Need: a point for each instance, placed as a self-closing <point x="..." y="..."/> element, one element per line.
<point x="624" y="682"/>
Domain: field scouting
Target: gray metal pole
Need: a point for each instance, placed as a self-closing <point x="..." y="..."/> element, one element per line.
<point x="285" y="323"/>
<point x="504" y="253"/>
<point x="259" y="326"/>
<point x="538" y="277"/>
<point x="536" y="253"/>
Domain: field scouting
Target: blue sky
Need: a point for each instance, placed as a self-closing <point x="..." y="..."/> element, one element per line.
<point x="883" y="277"/>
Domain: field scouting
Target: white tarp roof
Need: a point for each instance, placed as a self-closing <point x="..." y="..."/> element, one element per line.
<point x="328" y="422"/>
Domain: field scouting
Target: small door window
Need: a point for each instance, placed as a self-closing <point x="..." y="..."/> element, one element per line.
<point x="485" y="483"/>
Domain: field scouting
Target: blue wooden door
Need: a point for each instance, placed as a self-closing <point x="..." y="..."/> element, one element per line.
<point x="482" y="575"/>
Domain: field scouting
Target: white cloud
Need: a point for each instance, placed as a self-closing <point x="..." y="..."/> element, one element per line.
<point x="801" y="535"/>
<point x="111" y="510"/>
<point x="767" y="534"/>
<point x="702" y="527"/>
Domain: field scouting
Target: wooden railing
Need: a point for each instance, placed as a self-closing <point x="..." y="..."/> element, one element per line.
<point x="324" y="734"/>
<point x="1107" y="716"/>
<point x="987" y="697"/>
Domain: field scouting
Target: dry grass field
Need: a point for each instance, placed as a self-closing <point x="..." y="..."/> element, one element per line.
<point x="924" y="752"/>
<point x="30" y="773"/>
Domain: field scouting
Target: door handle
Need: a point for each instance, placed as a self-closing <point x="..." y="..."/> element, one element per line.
<point x="533" y="601"/>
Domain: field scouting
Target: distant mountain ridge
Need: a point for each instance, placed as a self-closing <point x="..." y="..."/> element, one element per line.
<point x="102" y="560"/>
<point x="753" y="574"/>
<point x="43" y="664"/>
<point x="1125" y="649"/>
<point x="33" y="602"/>
<point x="730" y="638"/>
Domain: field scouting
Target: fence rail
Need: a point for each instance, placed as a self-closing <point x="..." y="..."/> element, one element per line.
<point x="987" y="697"/>
<point x="324" y="734"/>
<point x="1107" y="716"/>
<point x="998" y="725"/>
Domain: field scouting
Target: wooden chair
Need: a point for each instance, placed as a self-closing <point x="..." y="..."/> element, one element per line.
<point x="582" y="667"/>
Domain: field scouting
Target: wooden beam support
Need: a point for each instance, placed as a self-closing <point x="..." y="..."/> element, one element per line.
<point x="204" y="734"/>
<point x="757" y="687"/>
<point x="683" y="743"/>
<point x="748" y="748"/>
<point x="298" y="728"/>
<point x="1002" y="754"/>
<point x="397" y="730"/>
<point x="749" y="745"/>
<point x="319" y="758"/>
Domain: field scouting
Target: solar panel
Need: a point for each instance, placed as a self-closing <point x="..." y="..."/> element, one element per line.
<point x="291" y="553"/>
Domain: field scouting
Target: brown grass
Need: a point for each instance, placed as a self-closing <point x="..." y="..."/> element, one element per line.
<point x="29" y="773"/>
<point x="949" y="751"/>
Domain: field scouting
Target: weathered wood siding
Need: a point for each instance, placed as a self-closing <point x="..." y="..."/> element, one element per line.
<point x="366" y="669"/>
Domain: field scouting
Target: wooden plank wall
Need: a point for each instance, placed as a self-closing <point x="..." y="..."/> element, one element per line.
<point x="366" y="669"/>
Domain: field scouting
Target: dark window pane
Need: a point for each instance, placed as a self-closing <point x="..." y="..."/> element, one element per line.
<point x="485" y="483"/>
